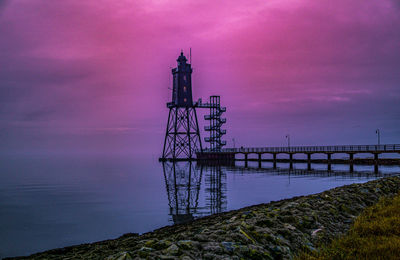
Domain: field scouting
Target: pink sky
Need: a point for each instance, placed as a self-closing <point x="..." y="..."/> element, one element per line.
<point x="95" y="74"/>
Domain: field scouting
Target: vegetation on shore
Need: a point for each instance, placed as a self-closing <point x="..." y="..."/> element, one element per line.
<point x="375" y="234"/>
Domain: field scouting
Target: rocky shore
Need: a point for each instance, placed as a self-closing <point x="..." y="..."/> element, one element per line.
<point x="277" y="230"/>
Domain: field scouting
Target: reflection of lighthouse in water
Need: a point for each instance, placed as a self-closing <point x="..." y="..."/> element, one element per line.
<point x="183" y="182"/>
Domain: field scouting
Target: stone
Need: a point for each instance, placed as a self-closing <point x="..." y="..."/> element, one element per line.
<point x="209" y="256"/>
<point x="150" y="243"/>
<point x="228" y="246"/>
<point x="120" y="256"/>
<point x="162" y="244"/>
<point x="144" y="251"/>
<point x="185" y="244"/>
<point x="290" y="227"/>
<point x="315" y="232"/>
<point x="213" y="247"/>
<point x="172" y="250"/>
<point x="200" y="237"/>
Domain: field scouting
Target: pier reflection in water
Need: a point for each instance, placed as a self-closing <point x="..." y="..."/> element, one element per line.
<point x="184" y="180"/>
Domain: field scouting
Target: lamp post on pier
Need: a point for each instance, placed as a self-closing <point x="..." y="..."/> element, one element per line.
<point x="288" y="140"/>
<point x="378" y="133"/>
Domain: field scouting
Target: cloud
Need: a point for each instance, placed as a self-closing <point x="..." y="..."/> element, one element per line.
<point x="106" y="64"/>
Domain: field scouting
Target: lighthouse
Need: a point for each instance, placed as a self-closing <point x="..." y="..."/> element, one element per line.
<point x="182" y="137"/>
<point x="182" y="83"/>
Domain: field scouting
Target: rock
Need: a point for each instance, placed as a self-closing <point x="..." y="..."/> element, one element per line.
<point x="144" y="251"/>
<point x="228" y="246"/>
<point x="279" y="251"/>
<point x="288" y="226"/>
<point x="213" y="247"/>
<point x="120" y="256"/>
<point x="232" y="219"/>
<point x="243" y="250"/>
<point x="172" y="250"/>
<point x="265" y="222"/>
<point x="315" y="232"/>
<point x="162" y="244"/>
<point x="150" y="243"/>
<point x="209" y="256"/>
<point x="200" y="237"/>
<point x="185" y="244"/>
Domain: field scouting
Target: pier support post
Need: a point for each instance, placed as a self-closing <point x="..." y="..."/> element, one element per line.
<point x="274" y="156"/>
<point x="351" y="158"/>
<point x="309" y="161"/>
<point x="245" y="160"/>
<point x="376" y="162"/>
<point x="291" y="161"/>
<point x="376" y="157"/>
<point x="259" y="160"/>
<point x="329" y="161"/>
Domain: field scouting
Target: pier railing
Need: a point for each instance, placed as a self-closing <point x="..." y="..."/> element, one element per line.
<point x="315" y="149"/>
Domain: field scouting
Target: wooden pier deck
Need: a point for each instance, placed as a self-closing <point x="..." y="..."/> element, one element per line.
<point x="229" y="154"/>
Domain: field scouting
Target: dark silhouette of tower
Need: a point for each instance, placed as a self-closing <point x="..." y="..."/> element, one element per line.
<point x="182" y="137"/>
<point x="215" y="124"/>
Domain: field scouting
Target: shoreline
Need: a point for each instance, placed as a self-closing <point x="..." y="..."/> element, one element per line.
<point x="278" y="229"/>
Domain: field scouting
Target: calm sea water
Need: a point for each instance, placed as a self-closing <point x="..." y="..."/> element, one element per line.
<point x="56" y="201"/>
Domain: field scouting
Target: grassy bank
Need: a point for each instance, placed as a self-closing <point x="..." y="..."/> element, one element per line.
<point x="374" y="235"/>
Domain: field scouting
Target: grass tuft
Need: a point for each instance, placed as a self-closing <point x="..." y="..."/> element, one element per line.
<point x="375" y="234"/>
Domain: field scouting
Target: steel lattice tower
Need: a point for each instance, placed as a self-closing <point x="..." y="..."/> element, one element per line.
<point x="182" y="137"/>
<point x="215" y="124"/>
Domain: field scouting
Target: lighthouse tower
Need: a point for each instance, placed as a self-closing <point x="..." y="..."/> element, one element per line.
<point x="182" y="137"/>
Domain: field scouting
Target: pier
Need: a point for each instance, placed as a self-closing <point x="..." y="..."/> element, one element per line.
<point x="229" y="154"/>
